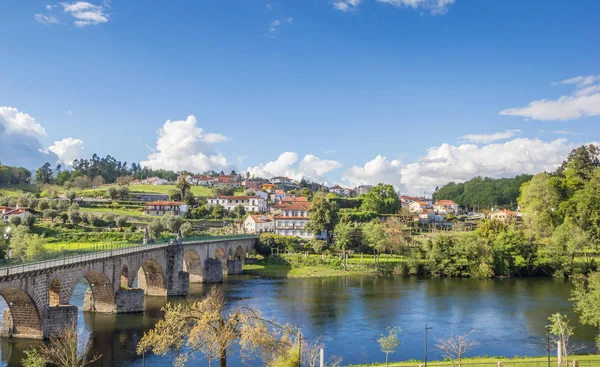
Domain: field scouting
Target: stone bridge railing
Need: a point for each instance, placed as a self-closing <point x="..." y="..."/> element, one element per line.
<point x="38" y="294"/>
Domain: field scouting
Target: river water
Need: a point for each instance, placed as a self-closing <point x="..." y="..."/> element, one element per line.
<point x="509" y="316"/>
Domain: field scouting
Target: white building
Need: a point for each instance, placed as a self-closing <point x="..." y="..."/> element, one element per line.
<point x="363" y="189"/>
<point x="340" y="190"/>
<point x="279" y="180"/>
<point x="260" y="223"/>
<point x="163" y="207"/>
<point x="154" y="181"/>
<point x="293" y="219"/>
<point x="254" y="204"/>
<point x="445" y="207"/>
<point x="419" y="206"/>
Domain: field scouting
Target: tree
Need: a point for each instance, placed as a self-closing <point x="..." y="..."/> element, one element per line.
<point x="223" y="191"/>
<point x="64" y="217"/>
<point x="311" y="354"/>
<point x="239" y="211"/>
<point x="28" y="219"/>
<point x="324" y="216"/>
<point x="539" y="199"/>
<point x="190" y="199"/>
<point x="174" y="195"/>
<point x="382" y="199"/>
<point x="43" y="205"/>
<point x="43" y="175"/>
<point x="155" y="228"/>
<point x="586" y="298"/>
<point x="172" y="222"/>
<point x="389" y="343"/>
<point x="455" y="348"/>
<point x="124" y="180"/>
<point x="123" y="192"/>
<point x="15" y="220"/>
<point x="121" y="221"/>
<point x="343" y="237"/>
<point x="82" y="182"/>
<point x="186" y="229"/>
<point x="183" y="186"/>
<point x="98" y="181"/>
<point x="51" y="214"/>
<point x="71" y="195"/>
<point x="566" y="240"/>
<point x="375" y="237"/>
<point x="561" y="332"/>
<point x="26" y="246"/>
<point x="208" y="327"/>
<point x="112" y="192"/>
<point x="67" y="349"/>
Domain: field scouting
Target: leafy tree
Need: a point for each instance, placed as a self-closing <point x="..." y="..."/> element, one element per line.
<point x="343" y="237"/>
<point x="43" y="175"/>
<point x="174" y="195"/>
<point x="28" y="219"/>
<point x="586" y="298"/>
<point x="562" y="331"/>
<point x="71" y="195"/>
<point x="123" y="192"/>
<point x="43" y="205"/>
<point x="25" y="245"/>
<point x="513" y="253"/>
<point x="82" y="182"/>
<point x="219" y="212"/>
<point x="155" y="228"/>
<point x="567" y="240"/>
<point x="112" y="192"/>
<point x="586" y="207"/>
<point x="382" y="199"/>
<point x="121" y="221"/>
<point x="324" y="216"/>
<point x="389" y="342"/>
<point x="15" y="220"/>
<point x="64" y="217"/>
<point x="51" y="214"/>
<point x="208" y="327"/>
<point x="124" y="180"/>
<point x="190" y="199"/>
<point x="239" y="211"/>
<point x="539" y="199"/>
<point x="33" y="358"/>
<point x="183" y="186"/>
<point x="375" y="237"/>
<point x="318" y="246"/>
<point x="172" y="222"/>
<point x="186" y="229"/>
<point x="223" y="191"/>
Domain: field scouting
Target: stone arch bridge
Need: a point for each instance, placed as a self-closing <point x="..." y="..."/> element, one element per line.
<point x="38" y="294"/>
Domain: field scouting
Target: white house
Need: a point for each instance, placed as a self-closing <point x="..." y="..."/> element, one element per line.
<point x="164" y="207"/>
<point x="154" y="181"/>
<point x="250" y="203"/>
<point x="445" y="207"/>
<point x="429" y="216"/>
<point x="363" y="189"/>
<point x="279" y="180"/>
<point x="340" y="190"/>
<point x="260" y="223"/>
<point x="293" y="219"/>
<point x="261" y="194"/>
<point x="418" y="206"/>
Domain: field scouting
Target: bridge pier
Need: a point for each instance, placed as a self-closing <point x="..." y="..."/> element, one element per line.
<point x="59" y="318"/>
<point x="234" y="267"/>
<point x="213" y="271"/>
<point x="129" y="300"/>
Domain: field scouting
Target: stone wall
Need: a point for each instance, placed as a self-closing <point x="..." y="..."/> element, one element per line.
<point x="130" y="300"/>
<point x="60" y="317"/>
<point x="234" y="267"/>
<point x="213" y="271"/>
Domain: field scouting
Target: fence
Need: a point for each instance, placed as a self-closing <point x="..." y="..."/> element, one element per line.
<point x="101" y="251"/>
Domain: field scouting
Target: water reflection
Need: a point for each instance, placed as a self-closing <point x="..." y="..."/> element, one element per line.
<point x="509" y="315"/>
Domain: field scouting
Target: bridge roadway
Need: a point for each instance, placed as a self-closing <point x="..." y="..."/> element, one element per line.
<point x="38" y="294"/>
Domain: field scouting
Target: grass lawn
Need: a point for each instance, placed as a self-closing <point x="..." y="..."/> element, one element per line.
<point x="584" y="361"/>
<point x="287" y="271"/>
<point x="18" y="190"/>
<point x="164" y="189"/>
<point x="128" y="212"/>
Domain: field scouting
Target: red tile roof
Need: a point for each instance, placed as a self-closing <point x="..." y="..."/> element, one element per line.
<point x="164" y="203"/>
<point x="445" y="202"/>
<point x="258" y="218"/>
<point x="280" y="217"/>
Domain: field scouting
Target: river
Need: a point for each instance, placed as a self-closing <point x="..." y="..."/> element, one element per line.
<point x="509" y="316"/>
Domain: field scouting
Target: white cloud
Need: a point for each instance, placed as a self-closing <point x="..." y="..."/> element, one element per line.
<point x="448" y="163"/>
<point x="378" y="170"/>
<point x="182" y="145"/>
<point x="310" y="167"/>
<point x="276" y="23"/>
<point x="46" y="19"/>
<point x="435" y="6"/>
<point x="564" y="132"/>
<point x="15" y="121"/>
<point x="290" y="20"/>
<point x="488" y="138"/>
<point x="583" y="102"/>
<point x="48" y="7"/>
<point x="68" y="150"/>
<point x="346" y="5"/>
<point x="86" y="13"/>
<point x="69" y="113"/>
<point x="269" y="7"/>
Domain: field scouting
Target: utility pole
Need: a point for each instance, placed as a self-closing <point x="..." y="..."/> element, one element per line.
<point x="426" y="328"/>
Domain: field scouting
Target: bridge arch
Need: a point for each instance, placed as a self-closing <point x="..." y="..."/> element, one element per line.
<point x="222" y="256"/>
<point x="151" y="278"/>
<point x="23" y="319"/>
<point x="124" y="279"/>
<point x="54" y="292"/>
<point x="192" y="264"/>
<point x="102" y="293"/>
<point x="240" y="253"/>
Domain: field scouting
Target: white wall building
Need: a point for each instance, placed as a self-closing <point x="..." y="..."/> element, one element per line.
<point x="250" y="203"/>
<point x="292" y="220"/>
<point x="340" y="190"/>
<point x="445" y="207"/>
<point x="260" y="223"/>
<point x="163" y="207"/>
<point x="281" y="180"/>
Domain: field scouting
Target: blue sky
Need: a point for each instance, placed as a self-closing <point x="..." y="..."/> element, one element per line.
<point x="410" y="92"/>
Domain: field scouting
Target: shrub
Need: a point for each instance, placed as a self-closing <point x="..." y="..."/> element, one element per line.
<point x="14" y="220"/>
<point x="186" y="229"/>
<point x="28" y="219"/>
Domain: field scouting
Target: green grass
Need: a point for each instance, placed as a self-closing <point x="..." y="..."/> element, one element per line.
<point x="493" y="362"/>
<point x="127" y="212"/>
<point x="18" y="190"/>
<point x="287" y="271"/>
<point x="164" y="189"/>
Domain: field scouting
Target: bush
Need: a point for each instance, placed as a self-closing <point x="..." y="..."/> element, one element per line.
<point x="186" y="229"/>
<point x="14" y="220"/>
<point x="28" y="219"/>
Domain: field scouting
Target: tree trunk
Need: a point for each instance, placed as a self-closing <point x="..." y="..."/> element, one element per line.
<point x="223" y="358"/>
<point x="386" y="359"/>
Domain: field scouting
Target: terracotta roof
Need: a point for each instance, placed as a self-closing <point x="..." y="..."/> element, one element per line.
<point x="279" y="191"/>
<point x="164" y="203"/>
<point x="269" y="184"/>
<point x="261" y="218"/>
<point x="506" y="211"/>
<point x="445" y="202"/>
<point x="241" y="197"/>
<point x="299" y="205"/>
<point x="281" y="217"/>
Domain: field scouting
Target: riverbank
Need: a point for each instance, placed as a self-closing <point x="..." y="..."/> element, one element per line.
<point x="300" y="266"/>
<point x="590" y="360"/>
